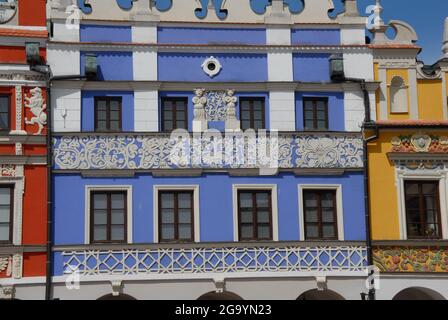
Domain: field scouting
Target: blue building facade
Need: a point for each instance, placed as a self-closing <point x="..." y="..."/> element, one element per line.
<point x="214" y="209"/>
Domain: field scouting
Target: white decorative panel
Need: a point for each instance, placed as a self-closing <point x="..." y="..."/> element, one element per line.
<point x="282" y="110"/>
<point x="144" y="34"/>
<point x="146" y="106"/>
<point x="278" y="35"/>
<point x="64" y="62"/>
<point x="66" y="110"/>
<point x="280" y="66"/>
<point x="353" y="35"/>
<point x="145" y="65"/>
<point x="63" y="33"/>
<point x="354" y="110"/>
<point x="359" y="65"/>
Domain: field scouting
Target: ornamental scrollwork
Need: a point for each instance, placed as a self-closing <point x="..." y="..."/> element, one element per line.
<point x="36" y="104"/>
<point x="162" y="152"/>
<point x="408" y="259"/>
<point x="420" y="143"/>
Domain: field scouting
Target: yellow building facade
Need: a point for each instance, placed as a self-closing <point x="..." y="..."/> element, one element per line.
<point x="408" y="166"/>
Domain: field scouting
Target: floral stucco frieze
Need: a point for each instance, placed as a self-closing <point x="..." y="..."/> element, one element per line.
<point x="408" y="259"/>
<point x="420" y="143"/>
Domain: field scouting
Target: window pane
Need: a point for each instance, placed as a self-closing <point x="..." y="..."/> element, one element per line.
<point x="4" y="232"/>
<point x="5" y="196"/>
<point x="185" y="216"/>
<point x="321" y="124"/>
<point x="185" y="231"/>
<point x="246" y="216"/>
<point x="117" y="201"/>
<point x="262" y="200"/>
<point x="263" y="216"/>
<point x="180" y="115"/>
<point x="168" y="114"/>
<point x="245" y="114"/>
<point x="100" y="201"/>
<point x="312" y="231"/>
<point x="117" y="217"/>
<point x="101" y="115"/>
<point x="245" y="200"/>
<point x="4" y="120"/>
<point x="115" y="115"/>
<point x="412" y="188"/>
<point x="117" y="233"/>
<point x="327" y="215"/>
<point x="115" y="126"/>
<point x="4" y="104"/>
<point x="430" y="188"/>
<point x="168" y="216"/>
<point x="328" y="231"/>
<point x="115" y="105"/>
<point x="101" y="104"/>
<point x="180" y="125"/>
<point x="311" y="215"/>
<point x="247" y="232"/>
<point x="167" y="200"/>
<point x="311" y="199"/>
<point x="245" y="124"/>
<point x="327" y="199"/>
<point x="264" y="232"/>
<point x="184" y="200"/>
<point x="413" y="202"/>
<point x="100" y="233"/>
<point x="168" y="126"/>
<point x="167" y="232"/>
<point x="100" y="217"/>
<point x="5" y="214"/>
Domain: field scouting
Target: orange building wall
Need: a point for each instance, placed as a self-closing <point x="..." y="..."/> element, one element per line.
<point x="35" y="206"/>
<point x="10" y="54"/>
<point x="32" y="12"/>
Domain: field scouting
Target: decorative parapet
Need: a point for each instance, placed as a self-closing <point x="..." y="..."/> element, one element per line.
<point x="227" y="260"/>
<point x="156" y="151"/>
<point x="420" y="143"/>
<point x="411" y="259"/>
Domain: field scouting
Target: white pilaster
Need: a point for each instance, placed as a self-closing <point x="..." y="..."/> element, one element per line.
<point x="413" y="94"/>
<point x="358" y="65"/>
<point x="444" y="94"/>
<point x="280" y="66"/>
<point x="282" y="110"/>
<point x="19" y="111"/>
<point x="63" y="31"/>
<point x="384" y="112"/>
<point x="144" y="60"/>
<point x="64" y="61"/>
<point x="146" y="106"/>
<point x="66" y="110"/>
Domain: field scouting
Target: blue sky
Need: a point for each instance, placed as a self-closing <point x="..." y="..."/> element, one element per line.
<point x="426" y="17"/>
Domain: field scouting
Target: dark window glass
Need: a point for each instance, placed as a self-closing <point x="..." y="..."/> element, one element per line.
<point x="255" y="215"/>
<point x="320" y="215"/>
<point x="423" y="209"/>
<point x="4" y="112"/>
<point x="315" y="114"/>
<point x="176" y="216"/>
<point x="252" y="113"/>
<point x="174" y="114"/>
<point x="109" y="216"/>
<point x="108" y="114"/>
<point x="6" y="213"/>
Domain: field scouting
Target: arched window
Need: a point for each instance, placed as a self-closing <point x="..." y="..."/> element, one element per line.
<point x="320" y="295"/>
<point x="418" y="293"/>
<point x="398" y="96"/>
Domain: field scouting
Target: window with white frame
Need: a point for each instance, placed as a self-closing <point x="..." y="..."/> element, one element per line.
<point x="6" y="213"/>
<point x="176" y="214"/>
<point x="108" y="214"/>
<point x="321" y="212"/>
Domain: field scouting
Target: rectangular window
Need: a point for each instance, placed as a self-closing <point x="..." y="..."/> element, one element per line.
<point x="252" y="113"/>
<point x="4" y="113"/>
<point x="320" y="213"/>
<point x="255" y="215"/>
<point x="108" y="116"/>
<point x="174" y="114"/>
<point x="423" y="209"/>
<point x="315" y="114"/>
<point x="6" y="213"/>
<point x="108" y="214"/>
<point x="176" y="216"/>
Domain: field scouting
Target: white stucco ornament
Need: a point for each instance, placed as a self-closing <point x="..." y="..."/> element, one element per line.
<point x="212" y="67"/>
<point x="37" y="107"/>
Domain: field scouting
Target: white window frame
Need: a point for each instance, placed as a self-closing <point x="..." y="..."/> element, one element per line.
<point x="196" y="208"/>
<point x="274" y="203"/>
<point x="88" y="192"/>
<point x="339" y="206"/>
<point x="403" y="175"/>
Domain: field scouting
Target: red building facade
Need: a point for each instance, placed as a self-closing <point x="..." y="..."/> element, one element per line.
<point x="23" y="165"/>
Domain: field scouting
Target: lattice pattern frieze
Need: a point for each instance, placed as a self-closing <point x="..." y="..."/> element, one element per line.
<point x="215" y="260"/>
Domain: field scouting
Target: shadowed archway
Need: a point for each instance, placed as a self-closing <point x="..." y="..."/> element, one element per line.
<point x="224" y="296"/>
<point x="320" y="295"/>
<point x="418" y="293"/>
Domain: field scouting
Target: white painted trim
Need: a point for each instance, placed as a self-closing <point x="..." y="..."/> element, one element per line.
<point x="23" y="281"/>
<point x="413" y="94"/>
<point x="274" y="202"/>
<point x="196" y="208"/>
<point x="88" y="191"/>
<point x="384" y="99"/>
<point x="444" y="96"/>
<point x="19" y="189"/>
<point x="339" y="206"/>
<point x="442" y="176"/>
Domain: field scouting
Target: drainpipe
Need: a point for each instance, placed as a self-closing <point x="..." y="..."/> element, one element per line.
<point x="367" y="123"/>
